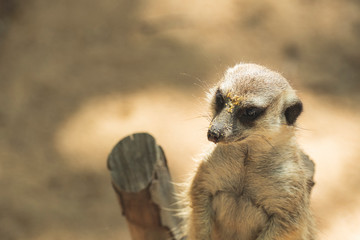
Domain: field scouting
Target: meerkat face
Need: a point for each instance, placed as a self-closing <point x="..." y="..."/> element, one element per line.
<point x="251" y="101"/>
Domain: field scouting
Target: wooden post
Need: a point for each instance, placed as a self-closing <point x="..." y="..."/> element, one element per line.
<point x="142" y="182"/>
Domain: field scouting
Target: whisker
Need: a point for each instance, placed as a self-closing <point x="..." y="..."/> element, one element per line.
<point x="297" y="127"/>
<point x="301" y="128"/>
<point x="202" y="84"/>
<point x="196" y="117"/>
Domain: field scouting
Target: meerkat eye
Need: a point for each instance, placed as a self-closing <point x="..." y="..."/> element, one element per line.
<point x="219" y="101"/>
<point x="249" y="114"/>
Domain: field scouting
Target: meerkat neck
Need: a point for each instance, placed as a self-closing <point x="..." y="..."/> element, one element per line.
<point x="280" y="144"/>
<point x="262" y="145"/>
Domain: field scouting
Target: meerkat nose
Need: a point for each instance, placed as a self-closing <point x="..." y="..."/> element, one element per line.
<point x="214" y="136"/>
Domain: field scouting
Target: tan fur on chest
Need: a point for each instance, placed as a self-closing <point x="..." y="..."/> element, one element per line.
<point x="236" y="217"/>
<point x="242" y="189"/>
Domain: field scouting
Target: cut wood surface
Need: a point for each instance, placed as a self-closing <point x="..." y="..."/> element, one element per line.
<point x="142" y="182"/>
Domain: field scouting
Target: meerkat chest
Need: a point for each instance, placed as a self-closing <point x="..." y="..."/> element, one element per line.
<point x="237" y="216"/>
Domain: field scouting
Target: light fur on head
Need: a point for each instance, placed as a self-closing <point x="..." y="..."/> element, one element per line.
<point x="250" y="87"/>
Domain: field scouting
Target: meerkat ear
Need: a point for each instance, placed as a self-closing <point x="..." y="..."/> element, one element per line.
<point x="293" y="111"/>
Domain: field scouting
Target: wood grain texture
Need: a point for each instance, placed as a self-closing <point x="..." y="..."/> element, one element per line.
<point x="142" y="182"/>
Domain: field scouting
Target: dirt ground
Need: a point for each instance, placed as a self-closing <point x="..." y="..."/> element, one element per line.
<point x="77" y="76"/>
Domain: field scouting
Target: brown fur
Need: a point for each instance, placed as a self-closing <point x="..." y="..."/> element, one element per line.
<point x="255" y="183"/>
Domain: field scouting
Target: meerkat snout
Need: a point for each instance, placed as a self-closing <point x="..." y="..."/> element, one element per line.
<point x="215" y="134"/>
<point x="249" y="101"/>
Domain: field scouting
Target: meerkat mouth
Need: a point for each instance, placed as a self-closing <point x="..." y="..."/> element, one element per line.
<point x="241" y="138"/>
<point x="232" y="141"/>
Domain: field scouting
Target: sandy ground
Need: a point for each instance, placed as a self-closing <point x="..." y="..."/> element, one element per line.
<point x="77" y="76"/>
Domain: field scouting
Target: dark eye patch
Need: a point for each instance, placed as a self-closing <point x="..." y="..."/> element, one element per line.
<point x="219" y="101"/>
<point x="248" y="115"/>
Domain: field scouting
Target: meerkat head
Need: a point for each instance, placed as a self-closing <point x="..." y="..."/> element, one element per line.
<point x="251" y="101"/>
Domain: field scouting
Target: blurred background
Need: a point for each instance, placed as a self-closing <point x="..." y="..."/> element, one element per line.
<point x="77" y="76"/>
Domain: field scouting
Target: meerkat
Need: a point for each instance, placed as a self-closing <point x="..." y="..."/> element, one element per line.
<point x="255" y="182"/>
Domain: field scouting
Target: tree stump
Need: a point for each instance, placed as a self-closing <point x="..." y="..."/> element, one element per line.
<point x="142" y="183"/>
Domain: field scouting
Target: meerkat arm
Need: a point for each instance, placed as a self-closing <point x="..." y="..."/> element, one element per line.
<point x="286" y="218"/>
<point x="275" y="230"/>
<point x="201" y="218"/>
